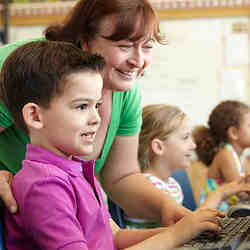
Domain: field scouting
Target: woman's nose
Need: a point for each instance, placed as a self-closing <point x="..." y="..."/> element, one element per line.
<point x="137" y="59"/>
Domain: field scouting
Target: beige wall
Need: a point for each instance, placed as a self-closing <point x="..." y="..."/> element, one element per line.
<point x="189" y="72"/>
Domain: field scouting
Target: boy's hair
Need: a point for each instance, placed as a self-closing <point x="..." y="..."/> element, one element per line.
<point x="37" y="72"/>
<point x="158" y="121"/>
<point x="210" y="139"/>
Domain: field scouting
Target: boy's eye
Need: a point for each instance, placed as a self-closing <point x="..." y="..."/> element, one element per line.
<point x="82" y="106"/>
<point x="98" y="105"/>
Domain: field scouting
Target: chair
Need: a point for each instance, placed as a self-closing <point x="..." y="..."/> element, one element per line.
<point x="182" y="178"/>
<point x="2" y="227"/>
<point x="116" y="213"/>
<point x="1" y="237"/>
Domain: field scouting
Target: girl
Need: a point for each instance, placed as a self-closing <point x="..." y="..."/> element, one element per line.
<point x="165" y="145"/>
<point x="221" y="144"/>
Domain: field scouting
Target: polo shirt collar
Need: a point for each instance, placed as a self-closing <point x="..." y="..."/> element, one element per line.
<point x="75" y="167"/>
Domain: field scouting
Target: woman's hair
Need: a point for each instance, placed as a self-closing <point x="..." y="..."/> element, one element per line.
<point x="85" y="19"/>
<point x="210" y="139"/>
<point x="38" y="71"/>
<point x="158" y="121"/>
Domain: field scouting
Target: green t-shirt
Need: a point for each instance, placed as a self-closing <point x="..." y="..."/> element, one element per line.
<point x="125" y="121"/>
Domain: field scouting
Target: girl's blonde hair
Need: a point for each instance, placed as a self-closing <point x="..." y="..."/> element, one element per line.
<point x="159" y="121"/>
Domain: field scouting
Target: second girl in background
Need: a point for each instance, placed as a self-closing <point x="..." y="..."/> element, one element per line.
<point x="221" y="144"/>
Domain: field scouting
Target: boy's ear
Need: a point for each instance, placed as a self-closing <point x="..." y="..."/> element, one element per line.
<point x="232" y="133"/>
<point x="157" y="146"/>
<point x="32" y="116"/>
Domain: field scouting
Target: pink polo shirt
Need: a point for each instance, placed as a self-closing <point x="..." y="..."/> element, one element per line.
<point x="60" y="205"/>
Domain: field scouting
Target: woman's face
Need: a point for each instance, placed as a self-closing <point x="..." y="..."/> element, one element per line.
<point x="125" y="60"/>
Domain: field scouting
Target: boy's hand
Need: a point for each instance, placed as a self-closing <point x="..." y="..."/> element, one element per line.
<point x="172" y="212"/>
<point x="5" y="191"/>
<point x="192" y="225"/>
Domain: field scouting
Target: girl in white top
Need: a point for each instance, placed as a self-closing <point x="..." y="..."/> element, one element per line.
<point x="166" y="145"/>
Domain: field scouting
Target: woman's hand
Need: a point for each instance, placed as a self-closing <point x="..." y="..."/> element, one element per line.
<point x="5" y="191"/>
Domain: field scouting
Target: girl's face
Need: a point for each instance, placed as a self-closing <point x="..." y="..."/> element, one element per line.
<point x="179" y="147"/>
<point x="243" y="132"/>
<point x="125" y="60"/>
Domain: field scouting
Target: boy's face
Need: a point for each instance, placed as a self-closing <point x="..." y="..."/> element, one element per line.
<point x="179" y="147"/>
<point x="71" y="121"/>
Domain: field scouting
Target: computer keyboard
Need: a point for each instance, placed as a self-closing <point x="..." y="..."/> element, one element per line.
<point x="235" y="231"/>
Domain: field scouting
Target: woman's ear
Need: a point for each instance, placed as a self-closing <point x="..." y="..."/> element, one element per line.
<point x="232" y="133"/>
<point x="157" y="146"/>
<point x="32" y="116"/>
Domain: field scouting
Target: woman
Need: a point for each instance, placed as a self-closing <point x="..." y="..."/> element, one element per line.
<point x="123" y="32"/>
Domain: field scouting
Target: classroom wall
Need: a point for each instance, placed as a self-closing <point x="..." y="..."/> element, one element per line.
<point x="204" y="62"/>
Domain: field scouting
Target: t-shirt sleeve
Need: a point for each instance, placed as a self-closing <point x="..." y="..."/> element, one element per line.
<point x="5" y="117"/>
<point x="50" y="217"/>
<point x="131" y="116"/>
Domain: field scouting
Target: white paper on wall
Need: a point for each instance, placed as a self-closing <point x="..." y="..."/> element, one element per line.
<point x="233" y="85"/>
<point x="236" y="50"/>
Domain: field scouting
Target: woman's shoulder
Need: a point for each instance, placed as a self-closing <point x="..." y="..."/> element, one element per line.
<point x="8" y="48"/>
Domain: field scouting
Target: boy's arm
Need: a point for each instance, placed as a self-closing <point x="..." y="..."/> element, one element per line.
<point x="1" y="129"/>
<point x="169" y="237"/>
<point x="125" y="238"/>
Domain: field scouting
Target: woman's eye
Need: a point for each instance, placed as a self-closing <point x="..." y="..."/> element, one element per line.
<point x="149" y="46"/>
<point x="125" y="46"/>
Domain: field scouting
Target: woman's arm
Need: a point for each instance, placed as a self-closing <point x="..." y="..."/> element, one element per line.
<point x="6" y="195"/>
<point x="123" y="182"/>
<point x="1" y="129"/>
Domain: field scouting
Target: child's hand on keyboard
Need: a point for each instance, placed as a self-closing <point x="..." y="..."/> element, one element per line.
<point x="197" y="222"/>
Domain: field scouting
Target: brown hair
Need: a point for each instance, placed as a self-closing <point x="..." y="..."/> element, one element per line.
<point x="38" y="71"/>
<point x="85" y="18"/>
<point x="210" y="139"/>
<point x="159" y="121"/>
